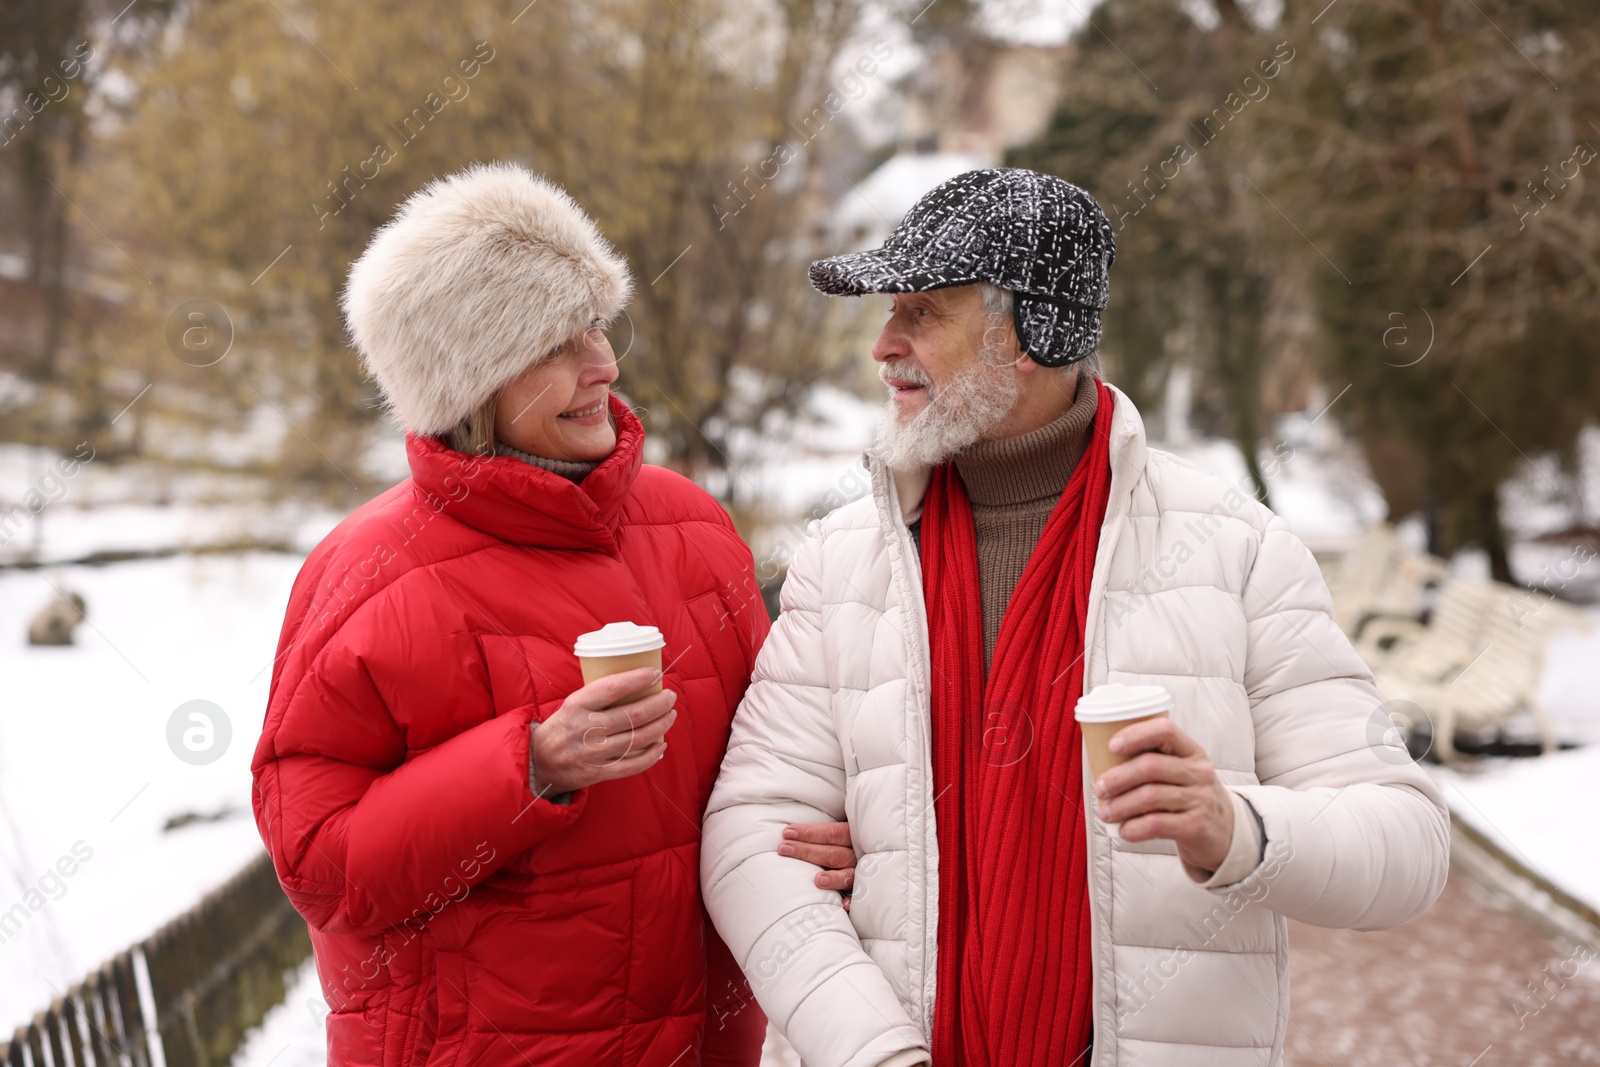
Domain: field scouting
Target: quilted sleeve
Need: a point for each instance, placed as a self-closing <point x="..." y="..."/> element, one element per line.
<point x="735" y="1025"/>
<point x="784" y="765"/>
<point x="366" y="834"/>
<point x="1358" y="835"/>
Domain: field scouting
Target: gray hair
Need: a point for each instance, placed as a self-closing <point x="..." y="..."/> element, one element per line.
<point x="998" y="304"/>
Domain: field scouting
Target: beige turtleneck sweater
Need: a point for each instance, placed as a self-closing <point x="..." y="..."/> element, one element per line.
<point x="1014" y="483"/>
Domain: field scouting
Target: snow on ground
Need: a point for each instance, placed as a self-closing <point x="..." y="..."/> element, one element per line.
<point x="87" y="779"/>
<point x="1570" y="690"/>
<point x="70" y="533"/>
<point x="58" y="508"/>
<point x="293" y="1034"/>
<point x="1540" y="497"/>
<point x="1541" y="811"/>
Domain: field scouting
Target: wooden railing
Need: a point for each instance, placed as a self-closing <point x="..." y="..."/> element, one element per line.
<point x="185" y="997"/>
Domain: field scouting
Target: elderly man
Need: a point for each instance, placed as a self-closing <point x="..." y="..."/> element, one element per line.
<point x="1021" y="545"/>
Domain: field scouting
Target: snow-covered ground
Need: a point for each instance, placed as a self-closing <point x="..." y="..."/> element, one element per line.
<point x="1540" y="811"/>
<point x="292" y="1034"/>
<point x="87" y="778"/>
<point x="58" y="508"/>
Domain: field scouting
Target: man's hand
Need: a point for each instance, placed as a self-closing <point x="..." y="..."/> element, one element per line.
<point x="1169" y="790"/>
<point x="587" y="741"/>
<point x="826" y="844"/>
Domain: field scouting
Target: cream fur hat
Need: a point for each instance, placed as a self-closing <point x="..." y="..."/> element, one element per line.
<point x="478" y="276"/>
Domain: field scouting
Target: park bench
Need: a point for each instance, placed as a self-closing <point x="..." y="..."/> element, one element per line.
<point x="1477" y="662"/>
<point x="1380" y="578"/>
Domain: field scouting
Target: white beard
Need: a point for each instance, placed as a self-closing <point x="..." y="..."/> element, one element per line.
<point x="956" y="415"/>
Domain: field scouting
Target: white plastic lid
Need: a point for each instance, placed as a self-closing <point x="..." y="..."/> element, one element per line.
<point x="618" y="639"/>
<point x="1115" y="702"/>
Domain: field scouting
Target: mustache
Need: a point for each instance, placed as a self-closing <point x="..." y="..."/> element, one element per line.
<point x="905" y="372"/>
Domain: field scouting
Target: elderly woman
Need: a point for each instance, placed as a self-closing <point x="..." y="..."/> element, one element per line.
<point x="498" y="866"/>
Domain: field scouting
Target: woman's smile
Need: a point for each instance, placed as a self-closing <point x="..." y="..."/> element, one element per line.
<point x="586" y="416"/>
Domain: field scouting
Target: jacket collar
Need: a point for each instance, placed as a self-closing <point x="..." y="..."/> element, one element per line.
<point x="1129" y="453"/>
<point x="903" y="491"/>
<point x="515" y="501"/>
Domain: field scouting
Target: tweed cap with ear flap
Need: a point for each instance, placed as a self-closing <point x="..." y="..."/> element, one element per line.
<point x="1038" y="235"/>
<point x="479" y="275"/>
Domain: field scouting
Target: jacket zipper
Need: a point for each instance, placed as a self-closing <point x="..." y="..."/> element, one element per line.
<point x="889" y="510"/>
<point x="1110" y="533"/>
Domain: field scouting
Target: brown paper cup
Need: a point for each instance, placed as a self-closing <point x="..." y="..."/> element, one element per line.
<point x="1097" y="742"/>
<point x="1109" y="708"/>
<point x="597" y="667"/>
<point x="618" y="647"/>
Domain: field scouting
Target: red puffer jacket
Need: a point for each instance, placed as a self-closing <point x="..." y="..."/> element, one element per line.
<point x="456" y="918"/>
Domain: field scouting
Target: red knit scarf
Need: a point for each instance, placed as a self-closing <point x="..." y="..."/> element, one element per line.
<point x="1015" y="987"/>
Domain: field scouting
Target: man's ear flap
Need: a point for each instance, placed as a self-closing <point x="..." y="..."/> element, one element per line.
<point x="1022" y="337"/>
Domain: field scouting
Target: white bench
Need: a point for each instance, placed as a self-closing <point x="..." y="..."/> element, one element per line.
<point x="1380" y="577"/>
<point x="1476" y="664"/>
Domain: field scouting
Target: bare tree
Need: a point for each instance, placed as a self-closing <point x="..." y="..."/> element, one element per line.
<point x="264" y="146"/>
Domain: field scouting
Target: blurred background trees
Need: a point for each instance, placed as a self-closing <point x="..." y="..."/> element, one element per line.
<point x="1363" y="218"/>
<point x="1179" y="168"/>
<point x="49" y="72"/>
<point x="246" y="157"/>
<point x="1467" y="217"/>
<point x="1380" y="215"/>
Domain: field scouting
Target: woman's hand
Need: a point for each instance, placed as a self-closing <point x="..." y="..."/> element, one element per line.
<point x="587" y="741"/>
<point x="827" y="844"/>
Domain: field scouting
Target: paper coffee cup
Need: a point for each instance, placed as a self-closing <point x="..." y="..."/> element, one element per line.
<point x="1109" y="708"/>
<point x="618" y="647"/>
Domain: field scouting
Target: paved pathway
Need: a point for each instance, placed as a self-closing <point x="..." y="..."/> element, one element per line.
<point x="1467" y="985"/>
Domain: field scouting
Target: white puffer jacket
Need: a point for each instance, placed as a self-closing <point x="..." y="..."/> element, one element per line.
<point x="1197" y="587"/>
